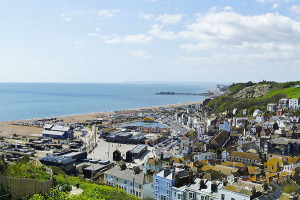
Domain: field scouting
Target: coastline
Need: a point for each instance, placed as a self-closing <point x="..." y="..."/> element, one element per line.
<point x="8" y="129"/>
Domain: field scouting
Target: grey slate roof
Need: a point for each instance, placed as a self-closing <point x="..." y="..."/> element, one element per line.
<point x="126" y="174"/>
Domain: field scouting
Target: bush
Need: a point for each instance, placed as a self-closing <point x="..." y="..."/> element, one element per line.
<point x="91" y="190"/>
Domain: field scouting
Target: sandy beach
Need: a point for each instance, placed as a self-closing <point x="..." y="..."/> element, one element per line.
<point x="8" y="129"/>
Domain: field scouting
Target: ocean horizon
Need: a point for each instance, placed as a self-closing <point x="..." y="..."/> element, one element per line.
<point x="20" y="101"/>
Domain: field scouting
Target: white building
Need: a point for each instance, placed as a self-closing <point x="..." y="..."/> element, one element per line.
<point x="136" y="184"/>
<point x="230" y="192"/>
<point x="205" y="156"/>
<point x="257" y="112"/>
<point x="225" y="126"/>
<point x="271" y="107"/>
<point x="234" y="111"/>
<point x="259" y="119"/>
<point x="283" y="103"/>
<point x="294" y="103"/>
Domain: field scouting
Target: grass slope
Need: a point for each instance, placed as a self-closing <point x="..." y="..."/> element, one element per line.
<point x="277" y="91"/>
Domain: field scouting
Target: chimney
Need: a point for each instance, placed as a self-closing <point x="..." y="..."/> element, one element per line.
<point x="161" y="156"/>
<point x="225" y="182"/>
<point x="213" y="187"/>
<point x="202" y="184"/>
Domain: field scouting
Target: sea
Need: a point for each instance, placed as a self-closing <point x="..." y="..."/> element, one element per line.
<point x="20" y="101"/>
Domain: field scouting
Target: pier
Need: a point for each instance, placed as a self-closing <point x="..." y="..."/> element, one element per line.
<point x="185" y="93"/>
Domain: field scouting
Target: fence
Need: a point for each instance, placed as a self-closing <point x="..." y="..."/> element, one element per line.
<point x="21" y="187"/>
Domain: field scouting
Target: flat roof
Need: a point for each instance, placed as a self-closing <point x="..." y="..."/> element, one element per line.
<point x="95" y="167"/>
<point x="74" y="153"/>
<point x="57" y="133"/>
<point x="48" y="126"/>
<point x="60" y="128"/>
<point x="138" y="148"/>
<point x="57" y="159"/>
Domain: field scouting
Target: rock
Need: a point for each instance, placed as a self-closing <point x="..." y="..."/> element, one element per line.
<point x="252" y="92"/>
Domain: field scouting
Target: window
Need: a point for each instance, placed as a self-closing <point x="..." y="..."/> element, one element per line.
<point x="191" y="195"/>
<point x="125" y="182"/>
<point x="222" y="196"/>
<point x="168" y="192"/>
<point x="156" y="188"/>
<point x="168" y="184"/>
<point x="179" y="196"/>
<point x="130" y="183"/>
<point x="157" y="180"/>
<point x="140" y="187"/>
<point x="117" y="179"/>
<point x="156" y="196"/>
<point x="232" y="198"/>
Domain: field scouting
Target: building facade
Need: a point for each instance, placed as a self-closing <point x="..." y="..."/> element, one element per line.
<point x="136" y="184"/>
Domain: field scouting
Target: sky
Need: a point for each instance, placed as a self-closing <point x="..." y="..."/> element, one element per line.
<point x="149" y="40"/>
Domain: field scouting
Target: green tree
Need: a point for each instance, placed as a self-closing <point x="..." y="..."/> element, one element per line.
<point x="123" y="166"/>
<point x="289" y="189"/>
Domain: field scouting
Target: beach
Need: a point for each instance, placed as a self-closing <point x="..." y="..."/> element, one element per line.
<point x="8" y="129"/>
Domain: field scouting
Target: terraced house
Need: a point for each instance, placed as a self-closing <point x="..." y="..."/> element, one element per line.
<point x="164" y="180"/>
<point x="245" y="157"/>
<point x="132" y="183"/>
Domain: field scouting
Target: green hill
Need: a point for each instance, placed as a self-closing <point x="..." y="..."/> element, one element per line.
<point x="233" y="98"/>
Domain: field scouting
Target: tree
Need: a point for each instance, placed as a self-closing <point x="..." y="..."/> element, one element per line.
<point x="289" y="189"/>
<point x="123" y="166"/>
<point x="3" y="165"/>
<point x="137" y="170"/>
<point x="25" y="159"/>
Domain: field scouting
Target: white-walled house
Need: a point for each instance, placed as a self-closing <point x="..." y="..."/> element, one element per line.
<point x="257" y="112"/>
<point x="205" y="156"/>
<point x="271" y="107"/>
<point x="136" y="184"/>
<point x="225" y="126"/>
<point x="294" y="103"/>
<point x="230" y="192"/>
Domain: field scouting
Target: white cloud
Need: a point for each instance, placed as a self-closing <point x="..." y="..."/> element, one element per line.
<point x="227" y="37"/>
<point x="107" y="13"/>
<point x="137" y="39"/>
<point x="169" y="19"/>
<point x="234" y="28"/>
<point x="140" y="54"/>
<point x="146" y="16"/>
<point x="295" y="9"/>
<point x="97" y="29"/>
<point x="151" y="0"/>
<point x="228" y="8"/>
<point x="130" y="39"/>
<point x="156" y="31"/>
<point x="275" y="5"/>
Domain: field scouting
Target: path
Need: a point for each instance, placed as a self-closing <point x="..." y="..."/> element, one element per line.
<point x="76" y="190"/>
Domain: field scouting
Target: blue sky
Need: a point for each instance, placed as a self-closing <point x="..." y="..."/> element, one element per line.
<point x="149" y="40"/>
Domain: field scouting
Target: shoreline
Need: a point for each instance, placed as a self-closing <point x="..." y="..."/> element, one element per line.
<point x="7" y="128"/>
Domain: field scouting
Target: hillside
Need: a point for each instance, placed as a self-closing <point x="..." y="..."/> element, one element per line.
<point x="254" y="95"/>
